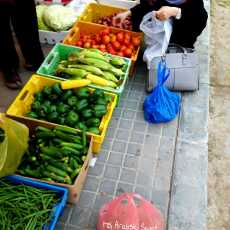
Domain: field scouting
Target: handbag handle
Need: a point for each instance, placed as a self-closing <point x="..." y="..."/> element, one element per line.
<point x="178" y="46"/>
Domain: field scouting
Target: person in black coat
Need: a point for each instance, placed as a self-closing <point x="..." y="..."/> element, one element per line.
<point x="189" y="18"/>
<point x="21" y="16"/>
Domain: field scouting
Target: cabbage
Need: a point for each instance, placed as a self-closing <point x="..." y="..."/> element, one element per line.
<point x="59" y="18"/>
<point x="40" y="10"/>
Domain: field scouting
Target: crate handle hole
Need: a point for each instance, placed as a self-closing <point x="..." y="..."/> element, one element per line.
<point x="24" y="95"/>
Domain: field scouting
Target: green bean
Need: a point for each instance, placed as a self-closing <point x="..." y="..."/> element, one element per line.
<point x="24" y="207"/>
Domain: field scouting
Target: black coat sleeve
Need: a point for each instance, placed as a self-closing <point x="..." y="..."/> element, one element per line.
<point x="192" y="22"/>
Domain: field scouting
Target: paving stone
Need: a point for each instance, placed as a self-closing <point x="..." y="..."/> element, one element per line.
<point x="131" y="161"/>
<point x="101" y="199"/>
<point x="121" y="103"/>
<point x="97" y="170"/>
<point x="170" y="128"/>
<point x="125" y="124"/>
<point x="122" y="134"/>
<point x="124" y="187"/>
<point x="186" y="198"/>
<point x="162" y="182"/>
<point x="140" y="106"/>
<point x="103" y="156"/>
<point x="151" y="146"/>
<point x="91" y="183"/>
<point x="71" y="227"/>
<point x="134" y="95"/>
<point x="107" y="143"/>
<point x="119" y="146"/>
<point x="133" y="105"/>
<point x="145" y="178"/>
<point x="143" y="191"/>
<point x="117" y="112"/>
<point x="112" y="172"/>
<point x="160" y="198"/>
<point x="59" y="226"/>
<point x="146" y="165"/>
<point x="115" y="158"/>
<point x="166" y="150"/>
<point x="137" y="87"/>
<point x="110" y="132"/>
<point x="93" y="220"/>
<point x="139" y="116"/>
<point x="86" y="199"/>
<point x="128" y="175"/>
<point x="113" y="122"/>
<point x="64" y="218"/>
<point x="80" y="216"/>
<point x="155" y="129"/>
<point x="128" y="114"/>
<point x="137" y="137"/>
<point x="139" y="126"/>
<point x="134" y="149"/>
<point x="107" y="186"/>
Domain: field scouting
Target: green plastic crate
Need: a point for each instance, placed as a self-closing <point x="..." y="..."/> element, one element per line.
<point x="61" y="52"/>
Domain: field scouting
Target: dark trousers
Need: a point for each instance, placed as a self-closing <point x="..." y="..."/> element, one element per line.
<point x="21" y="14"/>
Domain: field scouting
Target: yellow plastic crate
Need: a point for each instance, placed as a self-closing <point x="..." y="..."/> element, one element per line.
<point x="94" y="11"/>
<point x="22" y="104"/>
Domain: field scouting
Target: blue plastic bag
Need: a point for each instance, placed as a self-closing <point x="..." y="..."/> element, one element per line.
<point x="161" y="105"/>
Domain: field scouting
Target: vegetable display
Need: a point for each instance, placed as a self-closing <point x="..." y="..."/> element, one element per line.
<point x="109" y="21"/>
<point x="2" y="135"/>
<point x="55" y="17"/>
<point x="93" y="65"/>
<point x="78" y="108"/>
<point x="55" y="154"/>
<point x="24" y="207"/>
<point x="119" y="43"/>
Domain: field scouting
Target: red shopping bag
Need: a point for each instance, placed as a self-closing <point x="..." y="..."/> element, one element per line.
<point x="129" y="211"/>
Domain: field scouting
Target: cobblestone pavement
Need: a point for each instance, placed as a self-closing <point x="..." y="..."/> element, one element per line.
<point x="165" y="163"/>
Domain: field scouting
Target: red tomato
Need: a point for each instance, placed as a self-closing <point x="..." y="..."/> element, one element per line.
<point x="120" y="54"/>
<point x="106" y="39"/>
<point x="84" y="38"/>
<point x="95" y="46"/>
<point x="87" y="45"/>
<point x="102" y="46"/>
<point x="128" y="52"/>
<point x="98" y="38"/>
<point x="120" y="37"/>
<point x="93" y="42"/>
<point x="79" y="43"/>
<point x="116" y="45"/>
<point x="113" y="38"/>
<point x="112" y="51"/>
<point x="127" y="36"/>
<point x="105" y="31"/>
<point x="136" y="41"/>
<point x="123" y="47"/>
<point x="130" y="46"/>
<point x="126" y="42"/>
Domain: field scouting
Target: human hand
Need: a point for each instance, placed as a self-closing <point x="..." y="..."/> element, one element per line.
<point x="165" y="12"/>
<point x="120" y="18"/>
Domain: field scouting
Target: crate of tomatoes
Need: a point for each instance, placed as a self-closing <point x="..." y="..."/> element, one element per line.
<point x="112" y="40"/>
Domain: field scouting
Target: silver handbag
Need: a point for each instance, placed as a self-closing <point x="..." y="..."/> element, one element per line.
<point x="184" y="69"/>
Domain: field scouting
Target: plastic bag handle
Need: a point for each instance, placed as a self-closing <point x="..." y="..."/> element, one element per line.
<point x="162" y="72"/>
<point x="178" y="46"/>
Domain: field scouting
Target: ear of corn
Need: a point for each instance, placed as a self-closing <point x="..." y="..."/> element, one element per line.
<point x="100" y="81"/>
<point x="73" y="71"/>
<point x="97" y="63"/>
<point x="92" y="54"/>
<point x="117" y="61"/>
<point x="91" y="69"/>
<point x="109" y="76"/>
<point x="70" y="84"/>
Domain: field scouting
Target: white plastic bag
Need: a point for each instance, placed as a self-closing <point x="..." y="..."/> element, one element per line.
<point x="157" y="36"/>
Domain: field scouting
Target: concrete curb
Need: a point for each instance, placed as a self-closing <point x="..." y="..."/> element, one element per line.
<point x="188" y="200"/>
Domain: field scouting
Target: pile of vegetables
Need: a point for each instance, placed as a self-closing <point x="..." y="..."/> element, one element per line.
<point x="95" y="66"/>
<point x="55" y="17"/>
<point x="2" y="135"/>
<point x="109" y="21"/>
<point x="25" y="207"/>
<point x="55" y="154"/>
<point x="120" y="43"/>
<point x="78" y="108"/>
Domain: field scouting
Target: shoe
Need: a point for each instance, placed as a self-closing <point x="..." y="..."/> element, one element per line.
<point x="13" y="81"/>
